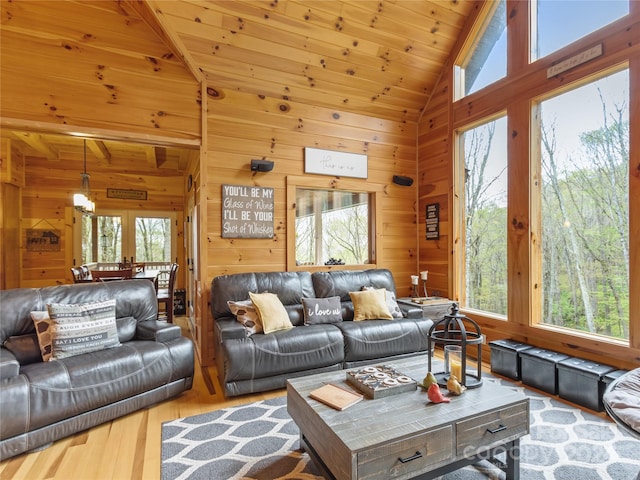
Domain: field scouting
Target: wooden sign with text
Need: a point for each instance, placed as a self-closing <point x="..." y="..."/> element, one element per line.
<point x="433" y="221"/>
<point x="247" y="212"/>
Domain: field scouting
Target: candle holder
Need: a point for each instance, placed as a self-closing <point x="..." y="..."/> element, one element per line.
<point x="414" y="286"/>
<point x="423" y="276"/>
<point x="451" y="331"/>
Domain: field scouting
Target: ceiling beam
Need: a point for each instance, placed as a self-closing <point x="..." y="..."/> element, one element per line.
<point x="37" y="142"/>
<point x="161" y="155"/>
<point x="100" y="150"/>
<point x="152" y="15"/>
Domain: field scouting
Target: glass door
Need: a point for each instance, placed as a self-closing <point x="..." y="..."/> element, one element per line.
<point x="113" y="236"/>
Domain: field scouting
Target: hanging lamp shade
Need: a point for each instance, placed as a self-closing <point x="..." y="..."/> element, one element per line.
<point x="82" y="200"/>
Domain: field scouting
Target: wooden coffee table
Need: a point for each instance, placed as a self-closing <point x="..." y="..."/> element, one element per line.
<point x="405" y="436"/>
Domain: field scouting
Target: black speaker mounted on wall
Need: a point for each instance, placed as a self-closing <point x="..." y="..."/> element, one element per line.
<point x="261" y="165"/>
<point x="404" y="181"/>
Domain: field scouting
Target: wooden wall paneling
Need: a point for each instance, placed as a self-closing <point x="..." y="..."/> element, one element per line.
<point x="51" y="66"/>
<point x="434" y="179"/>
<point x="520" y="179"/>
<point x="48" y="192"/>
<point x="202" y="281"/>
<point x="239" y="131"/>
<point x="10" y="213"/>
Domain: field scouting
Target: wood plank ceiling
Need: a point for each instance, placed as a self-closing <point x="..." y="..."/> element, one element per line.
<point x="375" y="57"/>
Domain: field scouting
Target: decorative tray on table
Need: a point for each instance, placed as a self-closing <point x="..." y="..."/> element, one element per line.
<point x="380" y="381"/>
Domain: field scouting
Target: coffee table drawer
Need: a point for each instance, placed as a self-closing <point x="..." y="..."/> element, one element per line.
<point x="479" y="433"/>
<point x="413" y="454"/>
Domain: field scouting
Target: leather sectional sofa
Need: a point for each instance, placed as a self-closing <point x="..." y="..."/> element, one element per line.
<point x="257" y="362"/>
<point x="44" y="401"/>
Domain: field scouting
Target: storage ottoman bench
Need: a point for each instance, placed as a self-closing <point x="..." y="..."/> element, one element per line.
<point x="540" y="368"/>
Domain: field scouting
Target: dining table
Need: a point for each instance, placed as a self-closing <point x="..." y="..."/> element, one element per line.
<point x="146" y="274"/>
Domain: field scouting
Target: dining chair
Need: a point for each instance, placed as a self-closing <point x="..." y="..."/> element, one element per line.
<point x="108" y="275"/>
<point x="77" y="274"/>
<point x="86" y="274"/>
<point x="165" y="295"/>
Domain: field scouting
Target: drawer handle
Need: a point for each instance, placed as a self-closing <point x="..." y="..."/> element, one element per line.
<point x="496" y="430"/>
<point x="415" y="456"/>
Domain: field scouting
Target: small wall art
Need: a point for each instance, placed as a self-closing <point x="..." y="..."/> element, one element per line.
<point x="433" y="221"/>
<point x="329" y="162"/>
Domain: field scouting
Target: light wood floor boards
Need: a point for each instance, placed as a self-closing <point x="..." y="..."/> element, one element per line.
<point x="128" y="447"/>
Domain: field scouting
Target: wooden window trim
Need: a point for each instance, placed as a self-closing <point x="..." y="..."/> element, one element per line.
<point x="375" y="190"/>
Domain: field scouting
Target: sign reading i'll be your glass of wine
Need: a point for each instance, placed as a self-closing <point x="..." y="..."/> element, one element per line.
<point x="247" y="212"/>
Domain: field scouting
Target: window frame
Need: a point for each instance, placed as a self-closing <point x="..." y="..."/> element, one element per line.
<point x="526" y="81"/>
<point x="375" y="190"/>
<point x="459" y="213"/>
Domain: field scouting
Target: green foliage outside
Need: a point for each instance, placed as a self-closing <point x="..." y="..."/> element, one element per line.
<point x="585" y="219"/>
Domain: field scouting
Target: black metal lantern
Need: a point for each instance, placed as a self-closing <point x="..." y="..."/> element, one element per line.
<point x="451" y="331"/>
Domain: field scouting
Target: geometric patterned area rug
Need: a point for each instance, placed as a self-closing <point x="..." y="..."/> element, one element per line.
<point x="259" y="441"/>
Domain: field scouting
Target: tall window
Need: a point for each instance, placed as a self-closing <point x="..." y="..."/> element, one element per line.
<point x="486" y="62"/>
<point x="332" y="227"/>
<point x="585" y="207"/>
<point x="561" y="22"/>
<point x="484" y="176"/>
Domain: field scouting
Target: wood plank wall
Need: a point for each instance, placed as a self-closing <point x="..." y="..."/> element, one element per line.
<point x="94" y="69"/>
<point x="47" y="202"/>
<point x="436" y="155"/>
<point x="243" y="126"/>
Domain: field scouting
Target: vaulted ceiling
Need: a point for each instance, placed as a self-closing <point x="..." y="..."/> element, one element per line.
<point x="380" y="58"/>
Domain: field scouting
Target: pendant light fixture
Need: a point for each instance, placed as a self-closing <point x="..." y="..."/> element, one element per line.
<point x="82" y="200"/>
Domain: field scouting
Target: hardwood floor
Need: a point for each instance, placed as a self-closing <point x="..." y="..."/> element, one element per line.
<point x="128" y="447"/>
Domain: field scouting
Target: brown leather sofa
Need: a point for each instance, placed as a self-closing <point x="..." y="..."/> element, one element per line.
<point x="261" y="362"/>
<point x="41" y="402"/>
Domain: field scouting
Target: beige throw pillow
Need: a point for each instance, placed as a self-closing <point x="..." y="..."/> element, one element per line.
<point x="272" y="313"/>
<point x="370" y="305"/>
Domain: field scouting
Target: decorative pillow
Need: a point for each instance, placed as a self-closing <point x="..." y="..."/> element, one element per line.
<point x="82" y="328"/>
<point x="370" y="305"/>
<point x="322" y="310"/>
<point x="247" y="315"/>
<point x="272" y="313"/>
<point x="25" y="348"/>
<point x="42" y="322"/>
<point x="392" y="304"/>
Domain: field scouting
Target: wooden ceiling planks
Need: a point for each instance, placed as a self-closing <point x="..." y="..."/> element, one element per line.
<point x="339" y="54"/>
<point x="374" y="58"/>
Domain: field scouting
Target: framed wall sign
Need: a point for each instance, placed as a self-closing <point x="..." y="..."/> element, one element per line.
<point x="247" y="211"/>
<point x="126" y="194"/>
<point x="329" y="162"/>
<point x="433" y="221"/>
<point x="43" y="240"/>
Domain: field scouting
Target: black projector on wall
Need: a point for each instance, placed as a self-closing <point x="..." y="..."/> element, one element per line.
<point x="261" y="165"/>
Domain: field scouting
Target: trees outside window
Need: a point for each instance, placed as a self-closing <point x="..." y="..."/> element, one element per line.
<point x="484" y="176"/>
<point x="332" y="226"/>
<point x="585" y="208"/>
<point x="112" y="236"/>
